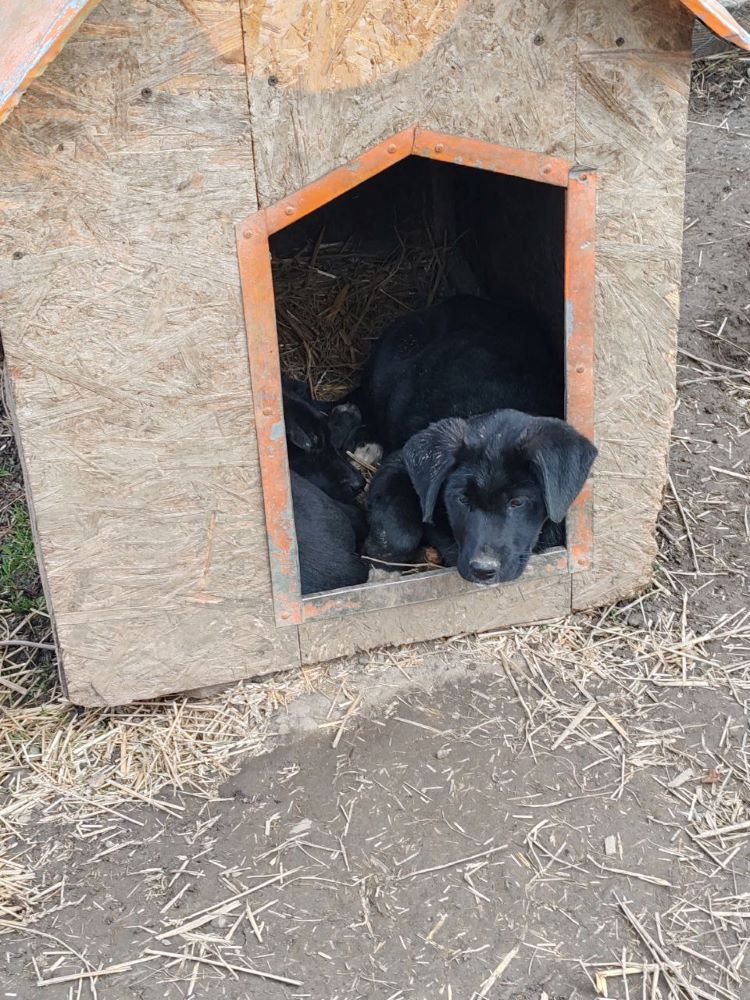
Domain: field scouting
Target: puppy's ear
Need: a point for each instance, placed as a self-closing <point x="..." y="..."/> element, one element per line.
<point x="296" y="387"/>
<point x="344" y="422"/>
<point x="301" y="424"/>
<point x="429" y="456"/>
<point x="560" y="458"/>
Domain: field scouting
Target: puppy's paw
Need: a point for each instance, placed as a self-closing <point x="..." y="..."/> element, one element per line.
<point x="368" y="455"/>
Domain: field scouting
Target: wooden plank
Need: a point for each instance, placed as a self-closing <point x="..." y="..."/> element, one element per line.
<point x="633" y="85"/>
<point x="124" y="171"/>
<point x="329" y="81"/>
<point x="478" y="611"/>
<point x="420" y="588"/>
<point x="31" y="36"/>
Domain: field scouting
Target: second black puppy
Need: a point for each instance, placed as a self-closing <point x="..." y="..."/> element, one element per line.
<point x="459" y="358"/>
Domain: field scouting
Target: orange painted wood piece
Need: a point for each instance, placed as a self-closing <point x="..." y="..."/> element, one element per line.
<point x="263" y="349"/>
<point x="580" y="323"/>
<point x="718" y="19"/>
<point x="373" y="161"/>
<point x="489" y="156"/>
<point x="32" y="32"/>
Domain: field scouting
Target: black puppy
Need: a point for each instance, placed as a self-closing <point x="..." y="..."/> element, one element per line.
<point x="462" y="357"/>
<point x="318" y="437"/>
<point x="327" y="536"/>
<point x="486" y="486"/>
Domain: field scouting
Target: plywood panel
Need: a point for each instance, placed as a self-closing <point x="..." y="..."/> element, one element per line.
<point x="531" y="600"/>
<point x="633" y="83"/>
<point x="125" y="168"/>
<point x="501" y="71"/>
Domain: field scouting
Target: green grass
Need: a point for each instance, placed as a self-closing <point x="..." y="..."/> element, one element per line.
<point x="19" y="578"/>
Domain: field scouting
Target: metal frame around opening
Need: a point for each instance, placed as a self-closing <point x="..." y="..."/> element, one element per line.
<point x="253" y="233"/>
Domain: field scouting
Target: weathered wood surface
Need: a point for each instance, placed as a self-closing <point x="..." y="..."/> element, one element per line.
<point x="633" y="88"/>
<point x="124" y="169"/>
<point x="441" y="584"/>
<point x="503" y="71"/>
<point x="480" y="611"/>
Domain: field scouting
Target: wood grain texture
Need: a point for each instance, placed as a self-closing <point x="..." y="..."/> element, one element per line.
<point x="480" y="74"/>
<point x="528" y="601"/>
<point x="125" y="168"/>
<point x="631" y="124"/>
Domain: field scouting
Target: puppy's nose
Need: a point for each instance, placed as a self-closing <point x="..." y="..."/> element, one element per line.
<point x="484" y="568"/>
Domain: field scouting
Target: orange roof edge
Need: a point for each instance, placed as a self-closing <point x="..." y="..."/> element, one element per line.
<point x="32" y="32"/>
<point x="718" y="19"/>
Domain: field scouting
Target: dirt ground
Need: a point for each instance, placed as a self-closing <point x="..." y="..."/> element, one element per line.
<point x="560" y="812"/>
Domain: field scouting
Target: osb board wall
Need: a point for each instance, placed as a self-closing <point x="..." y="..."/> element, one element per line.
<point x="127" y="164"/>
<point x="631" y="122"/>
<point x="124" y="169"/>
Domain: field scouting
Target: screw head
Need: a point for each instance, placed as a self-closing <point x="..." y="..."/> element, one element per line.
<point x="547" y="169"/>
<point x="439" y="147"/>
<point x="248" y="234"/>
<point x="584" y="177"/>
<point x="285" y="615"/>
<point x="289" y="210"/>
<point x="267" y="411"/>
<point x="580" y="369"/>
<point x="391" y="147"/>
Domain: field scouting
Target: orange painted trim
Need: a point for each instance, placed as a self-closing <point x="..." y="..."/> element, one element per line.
<point x="265" y="373"/>
<point x="339" y="181"/>
<point x="34" y="33"/>
<point x="718" y="19"/>
<point x="490" y="156"/>
<point x="580" y="325"/>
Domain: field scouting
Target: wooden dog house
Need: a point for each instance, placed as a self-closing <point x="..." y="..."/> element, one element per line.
<point x="143" y="176"/>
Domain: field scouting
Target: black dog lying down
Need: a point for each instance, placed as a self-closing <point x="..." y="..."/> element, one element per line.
<point x="460" y="358"/>
<point x="476" y="478"/>
<point x="329" y="529"/>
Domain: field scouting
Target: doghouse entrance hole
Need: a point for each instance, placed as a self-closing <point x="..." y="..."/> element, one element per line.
<point x="410" y="236"/>
<point x="417" y="218"/>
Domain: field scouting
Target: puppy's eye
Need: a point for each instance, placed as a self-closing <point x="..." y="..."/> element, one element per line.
<point x="516" y="502"/>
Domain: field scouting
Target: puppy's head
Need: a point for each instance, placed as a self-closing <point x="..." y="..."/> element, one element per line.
<point x="500" y="477"/>
<point x="317" y="443"/>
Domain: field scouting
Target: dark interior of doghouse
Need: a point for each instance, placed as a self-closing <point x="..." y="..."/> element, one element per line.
<point x="405" y="239"/>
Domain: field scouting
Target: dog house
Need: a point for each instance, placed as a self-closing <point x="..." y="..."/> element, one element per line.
<point x="158" y="180"/>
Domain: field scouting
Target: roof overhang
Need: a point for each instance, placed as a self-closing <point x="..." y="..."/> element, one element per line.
<point x="32" y="32"/>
